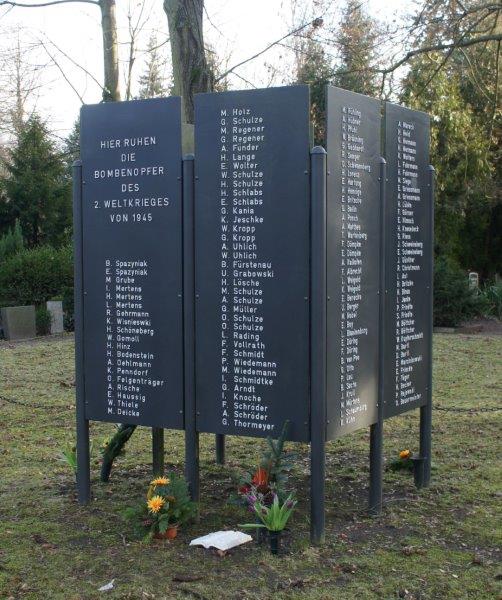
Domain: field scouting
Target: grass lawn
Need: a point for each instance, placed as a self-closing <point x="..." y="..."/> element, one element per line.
<point x="439" y="543"/>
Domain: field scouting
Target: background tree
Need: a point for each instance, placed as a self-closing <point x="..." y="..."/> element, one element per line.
<point x="314" y="68"/>
<point x="460" y="87"/>
<point x="36" y="190"/>
<point x="152" y="82"/>
<point x="71" y="147"/>
<point x="19" y="85"/>
<point x="11" y="242"/>
<point x="191" y="73"/>
<point x="111" y="86"/>
<point x="356" y="39"/>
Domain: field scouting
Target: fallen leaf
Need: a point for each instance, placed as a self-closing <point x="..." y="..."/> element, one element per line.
<point x="43" y="542"/>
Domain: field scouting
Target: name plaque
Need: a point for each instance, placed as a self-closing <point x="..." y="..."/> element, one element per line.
<point x="408" y="319"/>
<point x="132" y="262"/>
<point x="353" y="270"/>
<point x="252" y="262"/>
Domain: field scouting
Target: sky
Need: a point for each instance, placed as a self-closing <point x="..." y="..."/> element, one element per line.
<point x="236" y="29"/>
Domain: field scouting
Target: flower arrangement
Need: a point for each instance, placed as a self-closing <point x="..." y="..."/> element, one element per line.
<point x="273" y="517"/>
<point x="404" y="462"/>
<point x="270" y="477"/>
<point x="167" y="506"/>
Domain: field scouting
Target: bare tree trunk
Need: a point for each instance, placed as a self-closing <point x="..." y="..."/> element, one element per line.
<point x="190" y="69"/>
<point x="111" y="91"/>
<point x="18" y="110"/>
<point x="191" y="75"/>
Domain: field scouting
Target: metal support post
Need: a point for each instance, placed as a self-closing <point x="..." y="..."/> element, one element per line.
<point x="426" y="410"/>
<point x="83" y="457"/>
<point x="220" y="448"/>
<point x="191" y="435"/>
<point x="376" y="430"/>
<point x="318" y="301"/>
<point x="158" y="450"/>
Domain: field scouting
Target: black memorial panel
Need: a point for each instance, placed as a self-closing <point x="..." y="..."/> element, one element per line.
<point x="132" y="262"/>
<point x="408" y="319"/>
<point x="252" y="261"/>
<point x="353" y="241"/>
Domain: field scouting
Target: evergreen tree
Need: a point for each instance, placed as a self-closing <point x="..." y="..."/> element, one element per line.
<point x="71" y="148"/>
<point x="357" y="38"/>
<point x="460" y="155"/>
<point x="11" y="242"/>
<point x="37" y="191"/>
<point x="313" y="67"/>
<point x="152" y="81"/>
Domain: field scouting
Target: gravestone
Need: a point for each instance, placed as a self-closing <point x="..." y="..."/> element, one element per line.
<point x="132" y="262"/>
<point x="55" y="308"/>
<point x="353" y="265"/>
<point x="474" y="280"/>
<point x="19" y="322"/>
<point x="408" y="316"/>
<point x="252" y="261"/>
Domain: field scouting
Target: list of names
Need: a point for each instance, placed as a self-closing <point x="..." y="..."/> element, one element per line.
<point x="247" y="369"/>
<point x="354" y="248"/>
<point x="409" y="260"/>
<point x="353" y="271"/>
<point x="252" y="262"/>
<point x="129" y="328"/>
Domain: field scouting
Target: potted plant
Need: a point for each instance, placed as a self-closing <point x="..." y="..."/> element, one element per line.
<point x="408" y="461"/>
<point x="269" y="478"/>
<point x="167" y="507"/>
<point x="403" y="462"/>
<point x="272" y="472"/>
<point x="273" y="518"/>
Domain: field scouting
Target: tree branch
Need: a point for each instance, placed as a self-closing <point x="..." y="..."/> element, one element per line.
<point x="267" y="48"/>
<point x="495" y="37"/>
<point x="457" y="44"/>
<point x="426" y="49"/>
<point x="51" y="3"/>
<point x="63" y="73"/>
<point x="74" y="62"/>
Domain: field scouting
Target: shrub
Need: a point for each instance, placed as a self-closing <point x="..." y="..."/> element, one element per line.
<point x="34" y="276"/>
<point x="454" y="300"/>
<point x="68" y="309"/>
<point x="11" y="242"/>
<point x="43" y="320"/>
<point x="492" y="297"/>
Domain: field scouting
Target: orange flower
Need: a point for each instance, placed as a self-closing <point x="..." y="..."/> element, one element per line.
<point x="404" y="454"/>
<point x="155" y="504"/>
<point x="160" y="481"/>
<point x="260" y="477"/>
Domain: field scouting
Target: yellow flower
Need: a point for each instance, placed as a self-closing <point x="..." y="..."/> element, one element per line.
<point x="404" y="454"/>
<point x="160" y="481"/>
<point x="155" y="504"/>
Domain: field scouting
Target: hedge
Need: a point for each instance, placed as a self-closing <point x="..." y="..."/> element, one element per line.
<point x="36" y="275"/>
